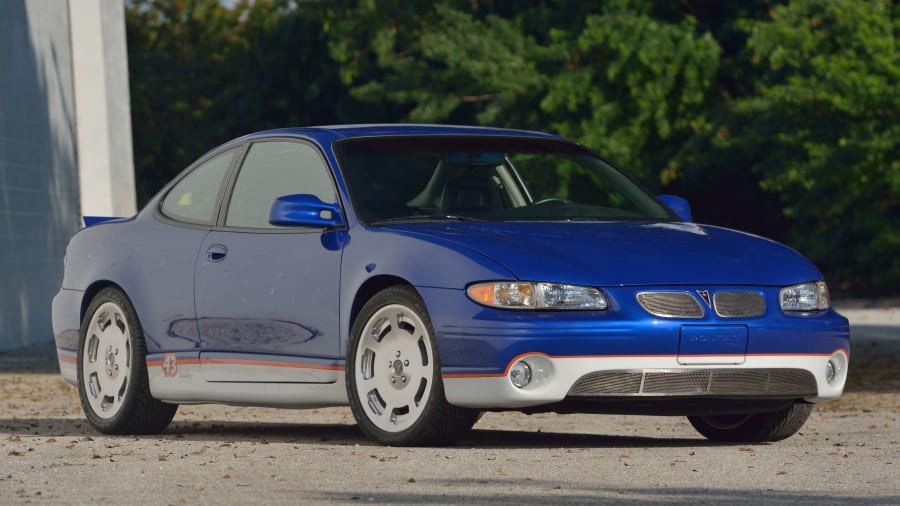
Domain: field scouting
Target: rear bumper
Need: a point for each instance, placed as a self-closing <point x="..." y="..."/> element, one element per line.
<point x="66" y="313"/>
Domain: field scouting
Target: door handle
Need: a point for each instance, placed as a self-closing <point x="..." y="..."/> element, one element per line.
<point x="216" y="253"/>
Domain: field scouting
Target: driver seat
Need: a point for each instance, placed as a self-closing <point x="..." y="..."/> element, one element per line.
<point x="470" y="195"/>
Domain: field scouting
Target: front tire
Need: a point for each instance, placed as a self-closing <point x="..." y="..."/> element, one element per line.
<point x="112" y="370"/>
<point x="753" y="428"/>
<point x="393" y="374"/>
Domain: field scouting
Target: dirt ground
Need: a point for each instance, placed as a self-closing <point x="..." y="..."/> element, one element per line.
<point x="849" y="451"/>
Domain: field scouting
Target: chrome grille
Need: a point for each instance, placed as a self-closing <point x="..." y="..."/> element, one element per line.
<point x="676" y="382"/>
<point x="693" y="382"/>
<point x="670" y="304"/>
<point x="613" y="382"/>
<point x="739" y="304"/>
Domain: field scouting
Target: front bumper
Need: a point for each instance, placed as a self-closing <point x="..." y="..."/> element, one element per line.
<point x="773" y="356"/>
<point x="647" y="378"/>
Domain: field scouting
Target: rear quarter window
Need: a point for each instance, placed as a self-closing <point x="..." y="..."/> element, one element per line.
<point x="194" y="198"/>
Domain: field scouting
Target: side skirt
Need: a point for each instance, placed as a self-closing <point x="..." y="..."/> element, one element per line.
<point x="181" y="381"/>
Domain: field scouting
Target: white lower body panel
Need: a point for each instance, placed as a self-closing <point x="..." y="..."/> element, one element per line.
<point x="554" y="377"/>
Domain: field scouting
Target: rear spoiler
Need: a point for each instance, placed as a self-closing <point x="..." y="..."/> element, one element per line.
<point x="90" y="221"/>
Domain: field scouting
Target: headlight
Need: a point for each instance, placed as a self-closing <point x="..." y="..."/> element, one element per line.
<point x="528" y="295"/>
<point x="805" y="297"/>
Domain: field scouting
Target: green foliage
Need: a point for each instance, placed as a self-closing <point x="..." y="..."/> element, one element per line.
<point x="434" y="77"/>
<point x="774" y="116"/>
<point x="631" y="87"/>
<point x="202" y="74"/>
<point x="823" y="131"/>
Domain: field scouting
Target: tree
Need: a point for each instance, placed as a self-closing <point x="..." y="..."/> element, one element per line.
<point x="822" y="129"/>
<point x="202" y="74"/>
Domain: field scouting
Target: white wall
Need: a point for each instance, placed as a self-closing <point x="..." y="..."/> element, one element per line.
<point x="42" y="140"/>
<point x="103" y="113"/>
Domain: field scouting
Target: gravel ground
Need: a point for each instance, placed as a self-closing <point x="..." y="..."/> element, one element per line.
<point x="848" y="452"/>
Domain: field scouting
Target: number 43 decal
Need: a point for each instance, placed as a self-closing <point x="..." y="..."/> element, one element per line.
<point x="170" y="365"/>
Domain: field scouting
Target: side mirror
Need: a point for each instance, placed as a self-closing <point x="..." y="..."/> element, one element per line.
<point x="681" y="206"/>
<point x="304" y="211"/>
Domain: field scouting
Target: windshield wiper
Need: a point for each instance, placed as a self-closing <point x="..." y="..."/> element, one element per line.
<point x="425" y="218"/>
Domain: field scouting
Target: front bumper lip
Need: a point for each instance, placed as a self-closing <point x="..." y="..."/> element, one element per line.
<point x="555" y="376"/>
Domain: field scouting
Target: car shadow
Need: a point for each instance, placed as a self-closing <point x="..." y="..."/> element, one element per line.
<point x="337" y="434"/>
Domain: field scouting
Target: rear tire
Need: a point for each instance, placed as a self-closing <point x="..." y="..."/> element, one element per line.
<point x="112" y="370"/>
<point x="394" y="374"/>
<point x="754" y="427"/>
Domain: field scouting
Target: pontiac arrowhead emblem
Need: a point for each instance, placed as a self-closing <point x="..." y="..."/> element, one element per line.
<point x="704" y="294"/>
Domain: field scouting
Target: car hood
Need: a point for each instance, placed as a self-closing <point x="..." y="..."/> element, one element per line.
<point x="624" y="253"/>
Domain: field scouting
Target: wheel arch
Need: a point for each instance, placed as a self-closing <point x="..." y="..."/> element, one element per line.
<point x="369" y="288"/>
<point x="92" y="292"/>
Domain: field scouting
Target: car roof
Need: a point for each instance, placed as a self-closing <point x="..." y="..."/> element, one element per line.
<point x="370" y="130"/>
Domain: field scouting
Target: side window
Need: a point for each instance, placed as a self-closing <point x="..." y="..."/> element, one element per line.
<point x="272" y="170"/>
<point x="194" y="198"/>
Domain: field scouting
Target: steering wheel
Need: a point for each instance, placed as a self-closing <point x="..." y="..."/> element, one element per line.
<point x="552" y="200"/>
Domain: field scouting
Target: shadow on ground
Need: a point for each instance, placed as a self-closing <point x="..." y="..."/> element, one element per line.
<point x="534" y="492"/>
<point x="341" y="434"/>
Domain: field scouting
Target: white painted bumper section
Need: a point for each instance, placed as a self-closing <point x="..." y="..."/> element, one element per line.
<point x="553" y="377"/>
<point x="68" y="366"/>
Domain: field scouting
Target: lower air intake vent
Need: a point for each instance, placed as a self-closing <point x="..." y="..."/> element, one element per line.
<point x="717" y="382"/>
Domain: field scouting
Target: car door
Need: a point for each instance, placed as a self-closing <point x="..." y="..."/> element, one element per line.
<point x="167" y="252"/>
<point x="267" y="296"/>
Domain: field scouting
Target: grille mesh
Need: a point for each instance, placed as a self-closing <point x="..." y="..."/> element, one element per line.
<point x="739" y="304"/>
<point x="772" y="382"/>
<point x="670" y="304"/>
<point x="686" y="382"/>
<point x="610" y="383"/>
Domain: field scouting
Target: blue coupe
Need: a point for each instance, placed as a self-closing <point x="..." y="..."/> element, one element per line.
<point x="425" y="274"/>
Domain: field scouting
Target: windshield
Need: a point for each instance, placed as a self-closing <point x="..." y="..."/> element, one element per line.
<point x="455" y="178"/>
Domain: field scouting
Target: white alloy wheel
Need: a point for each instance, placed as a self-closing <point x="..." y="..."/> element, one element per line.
<point x="112" y="370"/>
<point x="106" y="361"/>
<point x="393" y="374"/>
<point x="394" y="368"/>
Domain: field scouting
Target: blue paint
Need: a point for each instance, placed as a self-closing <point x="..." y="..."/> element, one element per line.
<point x="304" y="211"/>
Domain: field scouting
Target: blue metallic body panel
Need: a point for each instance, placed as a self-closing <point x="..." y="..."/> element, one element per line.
<point x="153" y="263"/>
<point x="626" y="253"/>
<point x="434" y="262"/>
<point x="273" y="293"/>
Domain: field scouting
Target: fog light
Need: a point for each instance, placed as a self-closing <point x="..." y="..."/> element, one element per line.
<point x="830" y="371"/>
<point x="520" y="374"/>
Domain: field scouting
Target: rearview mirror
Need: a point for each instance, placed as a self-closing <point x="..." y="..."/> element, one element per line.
<point x="681" y="206"/>
<point x="304" y="211"/>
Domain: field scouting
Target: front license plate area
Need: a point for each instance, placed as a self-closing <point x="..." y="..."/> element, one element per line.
<point x="712" y="344"/>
